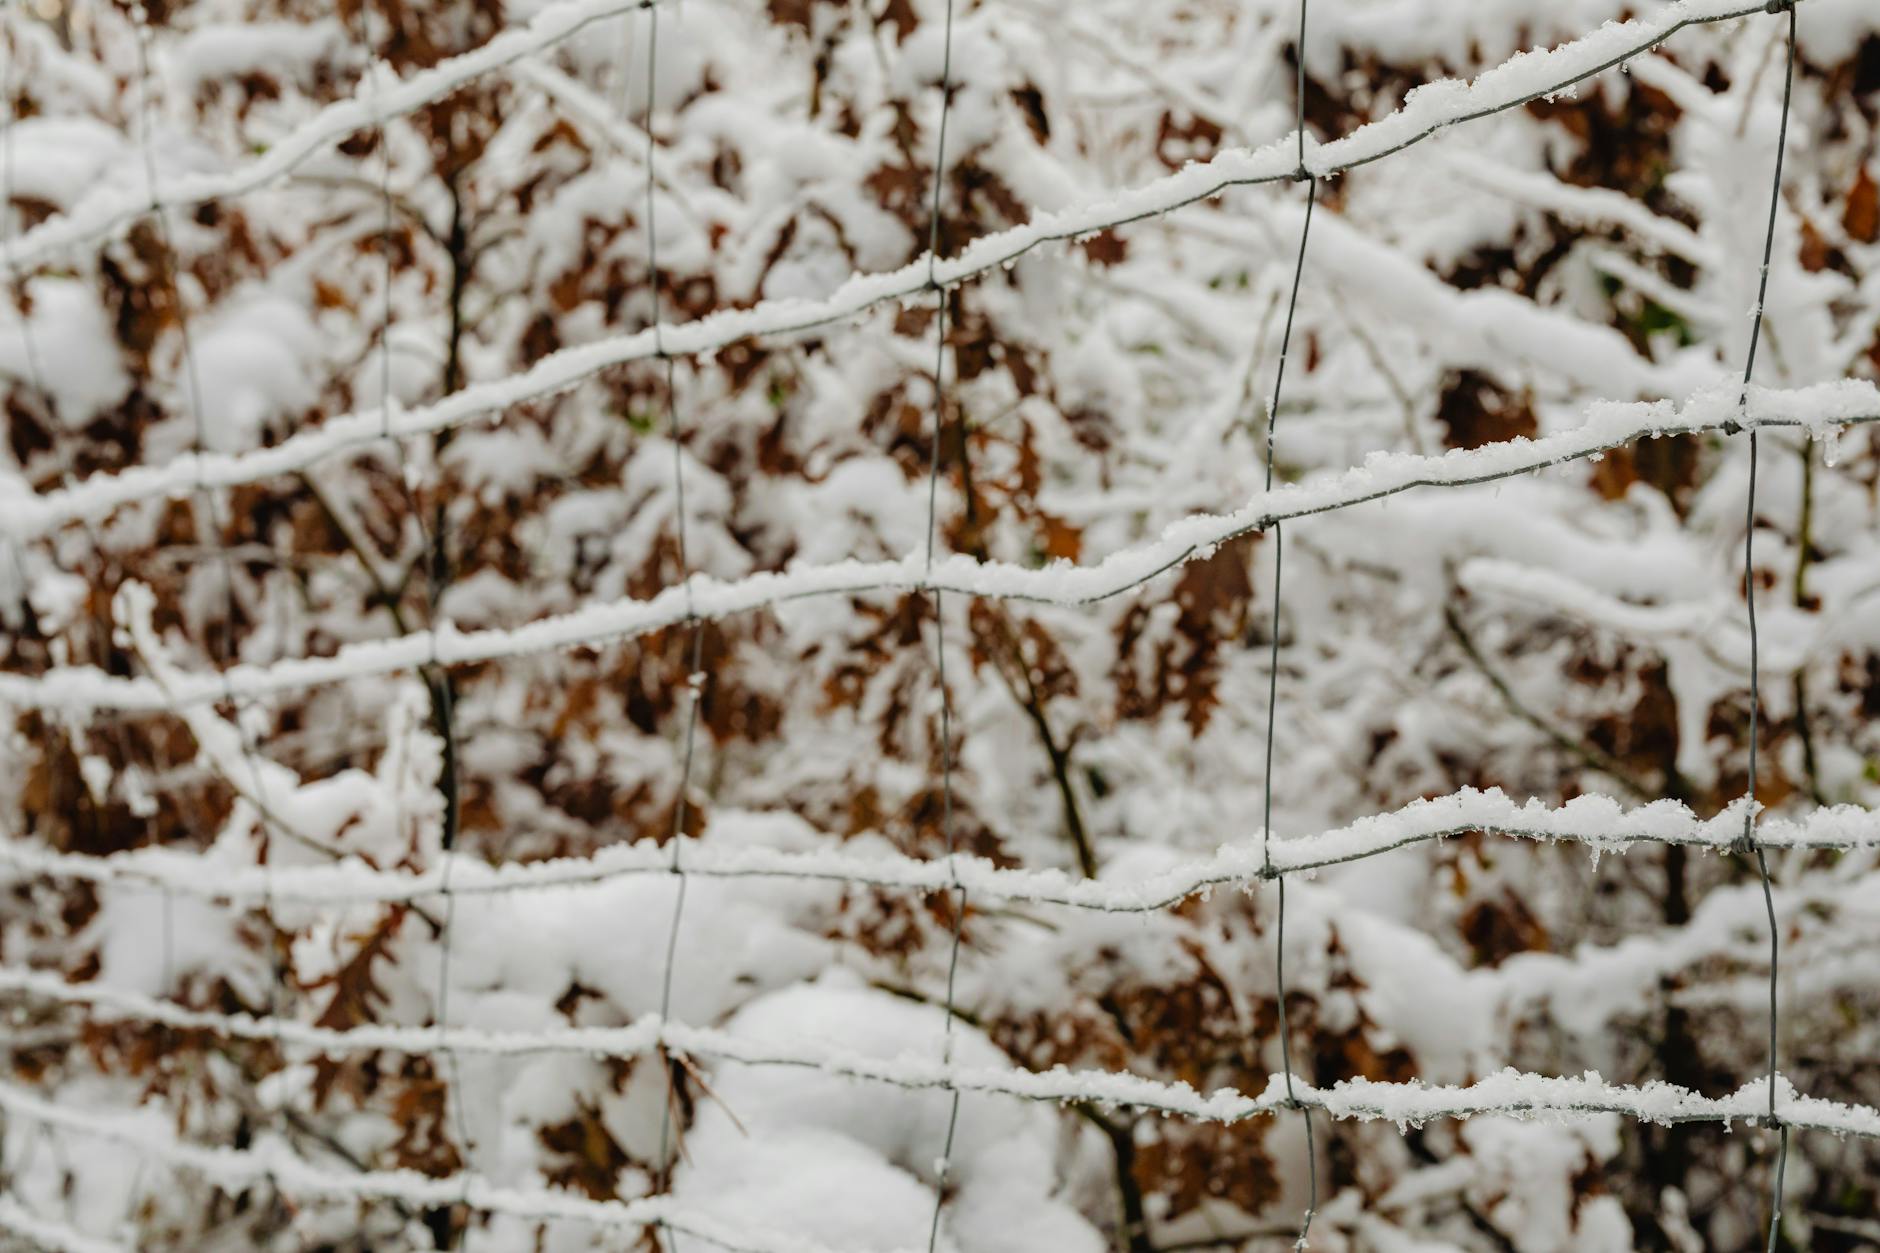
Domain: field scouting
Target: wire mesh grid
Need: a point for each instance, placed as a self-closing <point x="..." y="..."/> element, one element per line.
<point x="432" y="651"/>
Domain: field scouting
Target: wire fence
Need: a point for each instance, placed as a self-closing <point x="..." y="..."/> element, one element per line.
<point x="1597" y="823"/>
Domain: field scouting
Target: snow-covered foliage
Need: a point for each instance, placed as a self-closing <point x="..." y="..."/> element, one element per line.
<point x="341" y="776"/>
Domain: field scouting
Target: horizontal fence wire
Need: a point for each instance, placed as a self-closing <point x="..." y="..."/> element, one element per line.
<point x="1597" y="823"/>
<point x="1511" y="1092"/>
<point x="956" y="914"/>
<point x="1430" y="108"/>
<point x="1819" y="409"/>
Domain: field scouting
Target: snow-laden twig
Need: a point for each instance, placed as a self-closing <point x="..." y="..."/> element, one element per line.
<point x="1589" y="986"/>
<point x="110" y="208"/>
<point x="1597" y="822"/>
<point x="1430" y="108"/>
<point x="1557" y="592"/>
<point x="1591" y="206"/>
<point x="1609" y="424"/>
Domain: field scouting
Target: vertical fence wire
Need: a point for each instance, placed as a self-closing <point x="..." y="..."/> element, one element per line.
<point x="437" y="683"/>
<point x="433" y="557"/>
<point x="1272" y="687"/>
<point x="944" y="1164"/>
<point x="1755" y="656"/>
<point x="430" y="558"/>
<point x="264" y="819"/>
<point x="695" y="678"/>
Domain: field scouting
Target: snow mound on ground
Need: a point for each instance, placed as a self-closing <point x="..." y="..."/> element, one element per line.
<point x="853" y="1164"/>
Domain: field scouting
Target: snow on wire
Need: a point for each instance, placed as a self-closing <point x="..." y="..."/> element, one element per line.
<point x="1597" y="822"/>
<point x="1819" y="409"/>
<point x="1427" y="110"/>
<point x="1511" y="1092"/>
